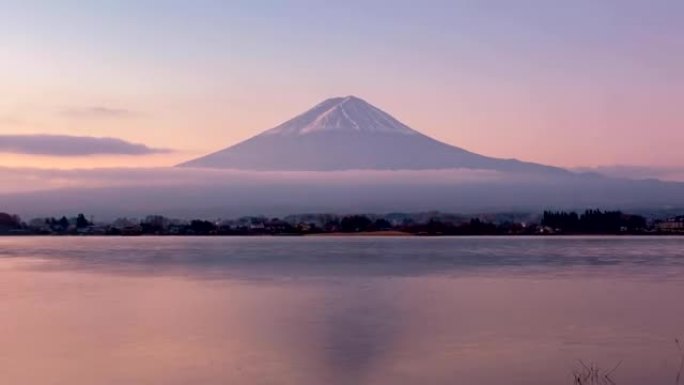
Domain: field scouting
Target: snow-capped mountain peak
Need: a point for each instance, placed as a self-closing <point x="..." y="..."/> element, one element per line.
<point x="350" y="114"/>
<point x="349" y="134"/>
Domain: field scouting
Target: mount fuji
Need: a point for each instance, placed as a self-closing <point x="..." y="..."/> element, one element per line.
<point x="396" y="169"/>
<point x="347" y="133"/>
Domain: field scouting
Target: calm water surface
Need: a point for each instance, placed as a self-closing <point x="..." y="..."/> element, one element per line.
<point x="339" y="311"/>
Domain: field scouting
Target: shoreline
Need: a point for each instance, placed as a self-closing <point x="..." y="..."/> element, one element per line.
<point x="378" y="234"/>
<point x="385" y="233"/>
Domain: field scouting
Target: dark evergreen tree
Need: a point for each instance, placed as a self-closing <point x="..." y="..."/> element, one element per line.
<point x="355" y="224"/>
<point x="81" y="222"/>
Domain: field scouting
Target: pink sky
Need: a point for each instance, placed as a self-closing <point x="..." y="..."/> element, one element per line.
<point x="582" y="85"/>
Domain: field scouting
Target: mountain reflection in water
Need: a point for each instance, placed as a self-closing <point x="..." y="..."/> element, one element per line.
<point x="306" y="311"/>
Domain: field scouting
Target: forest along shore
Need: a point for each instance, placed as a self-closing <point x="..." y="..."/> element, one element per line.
<point x="590" y="222"/>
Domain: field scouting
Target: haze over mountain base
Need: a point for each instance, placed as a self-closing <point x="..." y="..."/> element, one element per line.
<point x="211" y="194"/>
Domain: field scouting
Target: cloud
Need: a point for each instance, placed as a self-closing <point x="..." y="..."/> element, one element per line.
<point x="10" y="120"/>
<point x="31" y="179"/>
<point x="98" y="112"/>
<point x="65" y="145"/>
<point x="211" y="194"/>
<point x="673" y="173"/>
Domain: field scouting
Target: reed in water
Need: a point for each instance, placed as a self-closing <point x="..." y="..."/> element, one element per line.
<point x="591" y="374"/>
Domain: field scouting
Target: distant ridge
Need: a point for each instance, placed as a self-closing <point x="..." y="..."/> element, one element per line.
<point x="347" y="133"/>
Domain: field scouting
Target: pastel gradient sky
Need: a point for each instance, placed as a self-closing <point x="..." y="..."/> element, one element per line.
<point x="568" y="83"/>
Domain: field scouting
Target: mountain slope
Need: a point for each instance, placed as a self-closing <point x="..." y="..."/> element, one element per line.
<point x="346" y="134"/>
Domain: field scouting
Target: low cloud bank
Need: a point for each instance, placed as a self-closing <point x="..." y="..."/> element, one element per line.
<point x="27" y="179"/>
<point x="66" y="145"/>
<point x="211" y="194"/>
<point x="674" y="174"/>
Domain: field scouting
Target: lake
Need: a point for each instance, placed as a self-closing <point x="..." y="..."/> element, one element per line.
<point x="339" y="310"/>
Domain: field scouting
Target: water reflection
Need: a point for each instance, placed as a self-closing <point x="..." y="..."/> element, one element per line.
<point x="346" y="311"/>
<point x="256" y="257"/>
<point x="359" y="325"/>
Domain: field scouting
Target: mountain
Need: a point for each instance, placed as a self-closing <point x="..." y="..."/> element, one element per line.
<point x="347" y="133"/>
<point x="398" y="170"/>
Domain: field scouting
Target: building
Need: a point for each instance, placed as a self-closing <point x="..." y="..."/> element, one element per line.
<point x="671" y="225"/>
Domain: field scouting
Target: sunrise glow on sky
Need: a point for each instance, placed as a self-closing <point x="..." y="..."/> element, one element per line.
<point x="582" y="83"/>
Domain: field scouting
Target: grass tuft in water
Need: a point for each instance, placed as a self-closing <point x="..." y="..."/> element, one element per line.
<point x="681" y="362"/>
<point x="591" y="374"/>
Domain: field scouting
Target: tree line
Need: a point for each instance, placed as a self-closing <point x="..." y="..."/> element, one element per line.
<point x="593" y="222"/>
<point x="550" y="222"/>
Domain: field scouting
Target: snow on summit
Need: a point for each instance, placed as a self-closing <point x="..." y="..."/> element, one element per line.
<point x="342" y="114"/>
